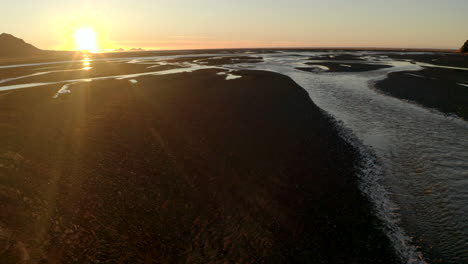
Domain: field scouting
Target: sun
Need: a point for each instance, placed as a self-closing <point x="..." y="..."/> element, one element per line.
<point x="85" y="39"/>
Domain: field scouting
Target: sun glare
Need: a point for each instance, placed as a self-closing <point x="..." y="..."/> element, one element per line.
<point x="85" y="39"/>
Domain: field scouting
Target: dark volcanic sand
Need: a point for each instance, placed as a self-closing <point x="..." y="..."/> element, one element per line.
<point x="338" y="67"/>
<point x="432" y="87"/>
<point x="182" y="168"/>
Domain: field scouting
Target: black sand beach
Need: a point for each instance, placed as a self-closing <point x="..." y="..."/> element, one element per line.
<point x="233" y="132"/>
<point x="452" y="59"/>
<point x="438" y="88"/>
<point x="181" y="168"/>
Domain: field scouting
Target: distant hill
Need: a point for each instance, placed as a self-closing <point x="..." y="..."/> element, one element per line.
<point x="11" y="46"/>
<point x="464" y="48"/>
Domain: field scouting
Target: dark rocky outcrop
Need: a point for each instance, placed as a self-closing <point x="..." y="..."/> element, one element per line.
<point x="11" y="46"/>
<point x="464" y="48"/>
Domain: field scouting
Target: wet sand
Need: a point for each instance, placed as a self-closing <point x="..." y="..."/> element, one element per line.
<point x="438" y="58"/>
<point x="181" y="168"/>
<point x="443" y="89"/>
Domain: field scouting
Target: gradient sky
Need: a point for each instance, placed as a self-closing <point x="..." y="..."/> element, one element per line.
<point x="187" y="24"/>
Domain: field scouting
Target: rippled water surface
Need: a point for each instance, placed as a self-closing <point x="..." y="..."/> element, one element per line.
<point x="423" y="154"/>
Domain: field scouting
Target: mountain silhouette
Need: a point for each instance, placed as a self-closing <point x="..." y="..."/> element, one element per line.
<point x="11" y="46"/>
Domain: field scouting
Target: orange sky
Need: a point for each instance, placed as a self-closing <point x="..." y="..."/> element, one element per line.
<point x="189" y="24"/>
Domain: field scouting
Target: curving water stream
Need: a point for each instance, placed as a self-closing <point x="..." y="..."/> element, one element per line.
<point x="423" y="159"/>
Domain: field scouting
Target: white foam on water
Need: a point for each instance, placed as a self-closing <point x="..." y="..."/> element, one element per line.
<point x="154" y="66"/>
<point x="415" y="75"/>
<point x="134" y="61"/>
<point x="63" y="90"/>
<point x="22" y="86"/>
<point x="133" y="81"/>
<point x="46" y="68"/>
<point x="229" y="75"/>
<point x="22" y="77"/>
<point x="66" y="88"/>
<point x="33" y="64"/>
<point x="371" y="173"/>
<point x="319" y="68"/>
<point x="440" y="66"/>
<point x="40" y="73"/>
<point x="232" y="77"/>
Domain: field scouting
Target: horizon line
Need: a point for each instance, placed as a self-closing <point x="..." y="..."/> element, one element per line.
<point x="271" y="48"/>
